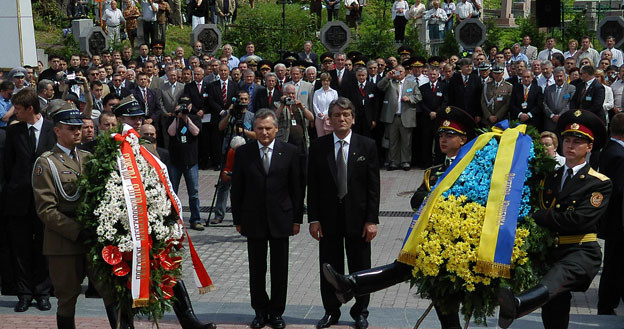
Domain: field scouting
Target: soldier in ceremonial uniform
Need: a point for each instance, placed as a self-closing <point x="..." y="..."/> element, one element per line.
<point x="56" y="193"/>
<point x="575" y="197"/>
<point x="495" y="98"/>
<point x="456" y="126"/>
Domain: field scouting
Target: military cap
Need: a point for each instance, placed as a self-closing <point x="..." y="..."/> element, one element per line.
<point x="485" y="66"/>
<point x="18" y="74"/>
<point x="435" y="60"/>
<point x="158" y="43"/>
<point x="405" y="50"/>
<point x="265" y="64"/>
<point x="252" y="60"/>
<point x="419" y="61"/>
<point x="583" y="124"/>
<point x="454" y="120"/>
<point x="65" y="113"/>
<point x="327" y="57"/>
<point x="128" y="107"/>
<point x="353" y="54"/>
<point x="359" y="60"/>
<point x="498" y="68"/>
<point x="290" y="56"/>
<point x="300" y="64"/>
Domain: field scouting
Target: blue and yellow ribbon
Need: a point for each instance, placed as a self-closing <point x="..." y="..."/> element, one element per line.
<point x="505" y="196"/>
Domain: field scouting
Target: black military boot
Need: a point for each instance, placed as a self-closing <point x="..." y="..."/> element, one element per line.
<point x="367" y="281"/>
<point x="184" y="309"/>
<point x="450" y="320"/>
<point x="126" y="321"/>
<point x="65" y="322"/>
<point x="513" y="307"/>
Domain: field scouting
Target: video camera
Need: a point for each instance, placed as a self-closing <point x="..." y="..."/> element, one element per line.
<point x="70" y="79"/>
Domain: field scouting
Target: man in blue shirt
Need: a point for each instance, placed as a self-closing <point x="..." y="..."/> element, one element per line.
<point x="6" y="108"/>
<point x="516" y="55"/>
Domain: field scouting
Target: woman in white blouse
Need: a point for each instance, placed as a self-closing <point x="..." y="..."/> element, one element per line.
<point x="400" y="10"/>
<point x="608" y="100"/>
<point x="322" y="97"/>
<point x="572" y="49"/>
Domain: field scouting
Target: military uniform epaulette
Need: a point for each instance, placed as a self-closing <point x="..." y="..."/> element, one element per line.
<point x="46" y="154"/>
<point x="598" y="175"/>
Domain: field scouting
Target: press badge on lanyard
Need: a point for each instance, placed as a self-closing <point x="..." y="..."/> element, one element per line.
<point x="293" y="122"/>
<point x="183" y="137"/>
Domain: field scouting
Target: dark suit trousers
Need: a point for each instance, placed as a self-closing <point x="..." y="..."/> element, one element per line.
<point x="331" y="248"/>
<point x="257" y="253"/>
<point x="611" y="288"/>
<point x="205" y="146"/>
<point x="30" y="266"/>
<point x="422" y="140"/>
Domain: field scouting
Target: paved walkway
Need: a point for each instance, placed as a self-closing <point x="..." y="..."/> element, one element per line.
<point x="224" y="253"/>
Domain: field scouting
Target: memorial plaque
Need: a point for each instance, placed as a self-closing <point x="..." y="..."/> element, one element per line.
<point x="611" y="26"/>
<point x="335" y="36"/>
<point x="80" y="27"/>
<point x="470" y="33"/>
<point x="94" y="42"/>
<point x="209" y="35"/>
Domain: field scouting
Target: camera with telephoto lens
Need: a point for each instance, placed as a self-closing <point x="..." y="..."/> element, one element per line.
<point x="289" y="101"/>
<point x="183" y="106"/>
<point x="71" y="79"/>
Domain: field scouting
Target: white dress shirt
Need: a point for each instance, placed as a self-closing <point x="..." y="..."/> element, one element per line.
<point x="345" y="148"/>
<point x="269" y="153"/>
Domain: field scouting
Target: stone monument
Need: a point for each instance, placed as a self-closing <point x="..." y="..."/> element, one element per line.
<point x="470" y="33"/>
<point x="80" y="27"/>
<point x="94" y="42"/>
<point x="209" y="35"/>
<point x="18" y="35"/>
<point x="335" y="36"/>
<point x="506" y="17"/>
<point x="611" y="26"/>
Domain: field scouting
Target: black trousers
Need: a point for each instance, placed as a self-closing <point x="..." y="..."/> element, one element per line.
<point x="204" y="146"/>
<point x="611" y="288"/>
<point x="422" y="141"/>
<point x="30" y="266"/>
<point x="331" y="250"/>
<point x="399" y="28"/>
<point x="216" y="145"/>
<point x="332" y="13"/>
<point x="257" y="251"/>
<point x="149" y="32"/>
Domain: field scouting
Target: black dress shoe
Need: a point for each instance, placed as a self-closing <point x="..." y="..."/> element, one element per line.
<point x="361" y="322"/>
<point x="392" y="167"/>
<point x="258" y="322"/>
<point x="328" y="320"/>
<point x="276" y="322"/>
<point x="23" y="304"/>
<point x="43" y="303"/>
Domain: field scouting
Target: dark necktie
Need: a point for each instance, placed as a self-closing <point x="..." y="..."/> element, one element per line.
<point x="567" y="177"/>
<point x="341" y="172"/>
<point x="266" y="161"/>
<point x="224" y="93"/>
<point x="270" y="97"/>
<point x="32" y="138"/>
<point x="72" y="154"/>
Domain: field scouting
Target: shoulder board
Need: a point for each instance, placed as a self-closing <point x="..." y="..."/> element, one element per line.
<point x="46" y="154"/>
<point x="85" y="152"/>
<point x="505" y="82"/>
<point x="598" y="175"/>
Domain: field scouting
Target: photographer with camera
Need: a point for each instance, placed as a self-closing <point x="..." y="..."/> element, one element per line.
<point x="183" y="130"/>
<point x="237" y="121"/>
<point x="75" y="88"/>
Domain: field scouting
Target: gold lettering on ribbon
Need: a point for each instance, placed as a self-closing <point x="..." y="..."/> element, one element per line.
<point x="502" y="209"/>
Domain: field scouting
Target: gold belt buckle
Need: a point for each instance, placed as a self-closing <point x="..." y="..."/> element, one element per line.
<point x="556" y="241"/>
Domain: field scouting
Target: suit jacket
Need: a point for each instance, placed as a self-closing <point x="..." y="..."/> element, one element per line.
<point x="530" y="52"/>
<point x="198" y="99"/>
<point x="495" y="101"/>
<point x="534" y="104"/>
<point x="18" y="166"/>
<point x="313" y="58"/>
<point x="361" y="203"/>
<point x="612" y="165"/>
<point x="215" y="97"/>
<point x="590" y="100"/>
<point x="554" y="105"/>
<point x="466" y="97"/>
<point x="432" y="102"/>
<point x="123" y="91"/>
<point x="262" y="99"/>
<point x="305" y="93"/>
<point x="347" y="82"/>
<point x="253" y="95"/>
<point x="391" y="101"/>
<point x="367" y="107"/>
<point x="171" y="97"/>
<point x="152" y="107"/>
<point x="57" y="213"/>
<point x="266" y="205"/>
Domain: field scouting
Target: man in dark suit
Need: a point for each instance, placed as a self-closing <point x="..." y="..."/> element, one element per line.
<point x="271" y="97"/>
<point x="267" y="208"/>
<point x="25" y="142"/>
<point x="307" y="54"/>
<point x="611" y="288"/>
<point x="464" y="90"/>
<point x="197" y="92"/>
<point x="527" y="101"/>
<point x="343" y="205"/>
<point x="220" y="94"/>
<point x="147" y="98"/>
<point x="365" y="98"/>
<point x="252" y="88"/>
<point x="590" y="94"/>
<point x="434" y="98"/>
<point x="116" y="87"/>
<point x="342" y="79"/>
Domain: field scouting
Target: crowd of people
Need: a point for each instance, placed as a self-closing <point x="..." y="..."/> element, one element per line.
<point x="195" y="109"/>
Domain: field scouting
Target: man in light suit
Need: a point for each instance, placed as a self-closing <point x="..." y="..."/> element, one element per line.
<point x="557" y="99"/>
<point x="152" y="74"/>
<point x="267" y="207"/>
<point x="399" y="114"/>
<point x="305" y="90"/>
<point x="495" y="98"/>
<point x="343" y="205"/>
<point x="171" y="91"/>
<point x="527" y="49"/>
